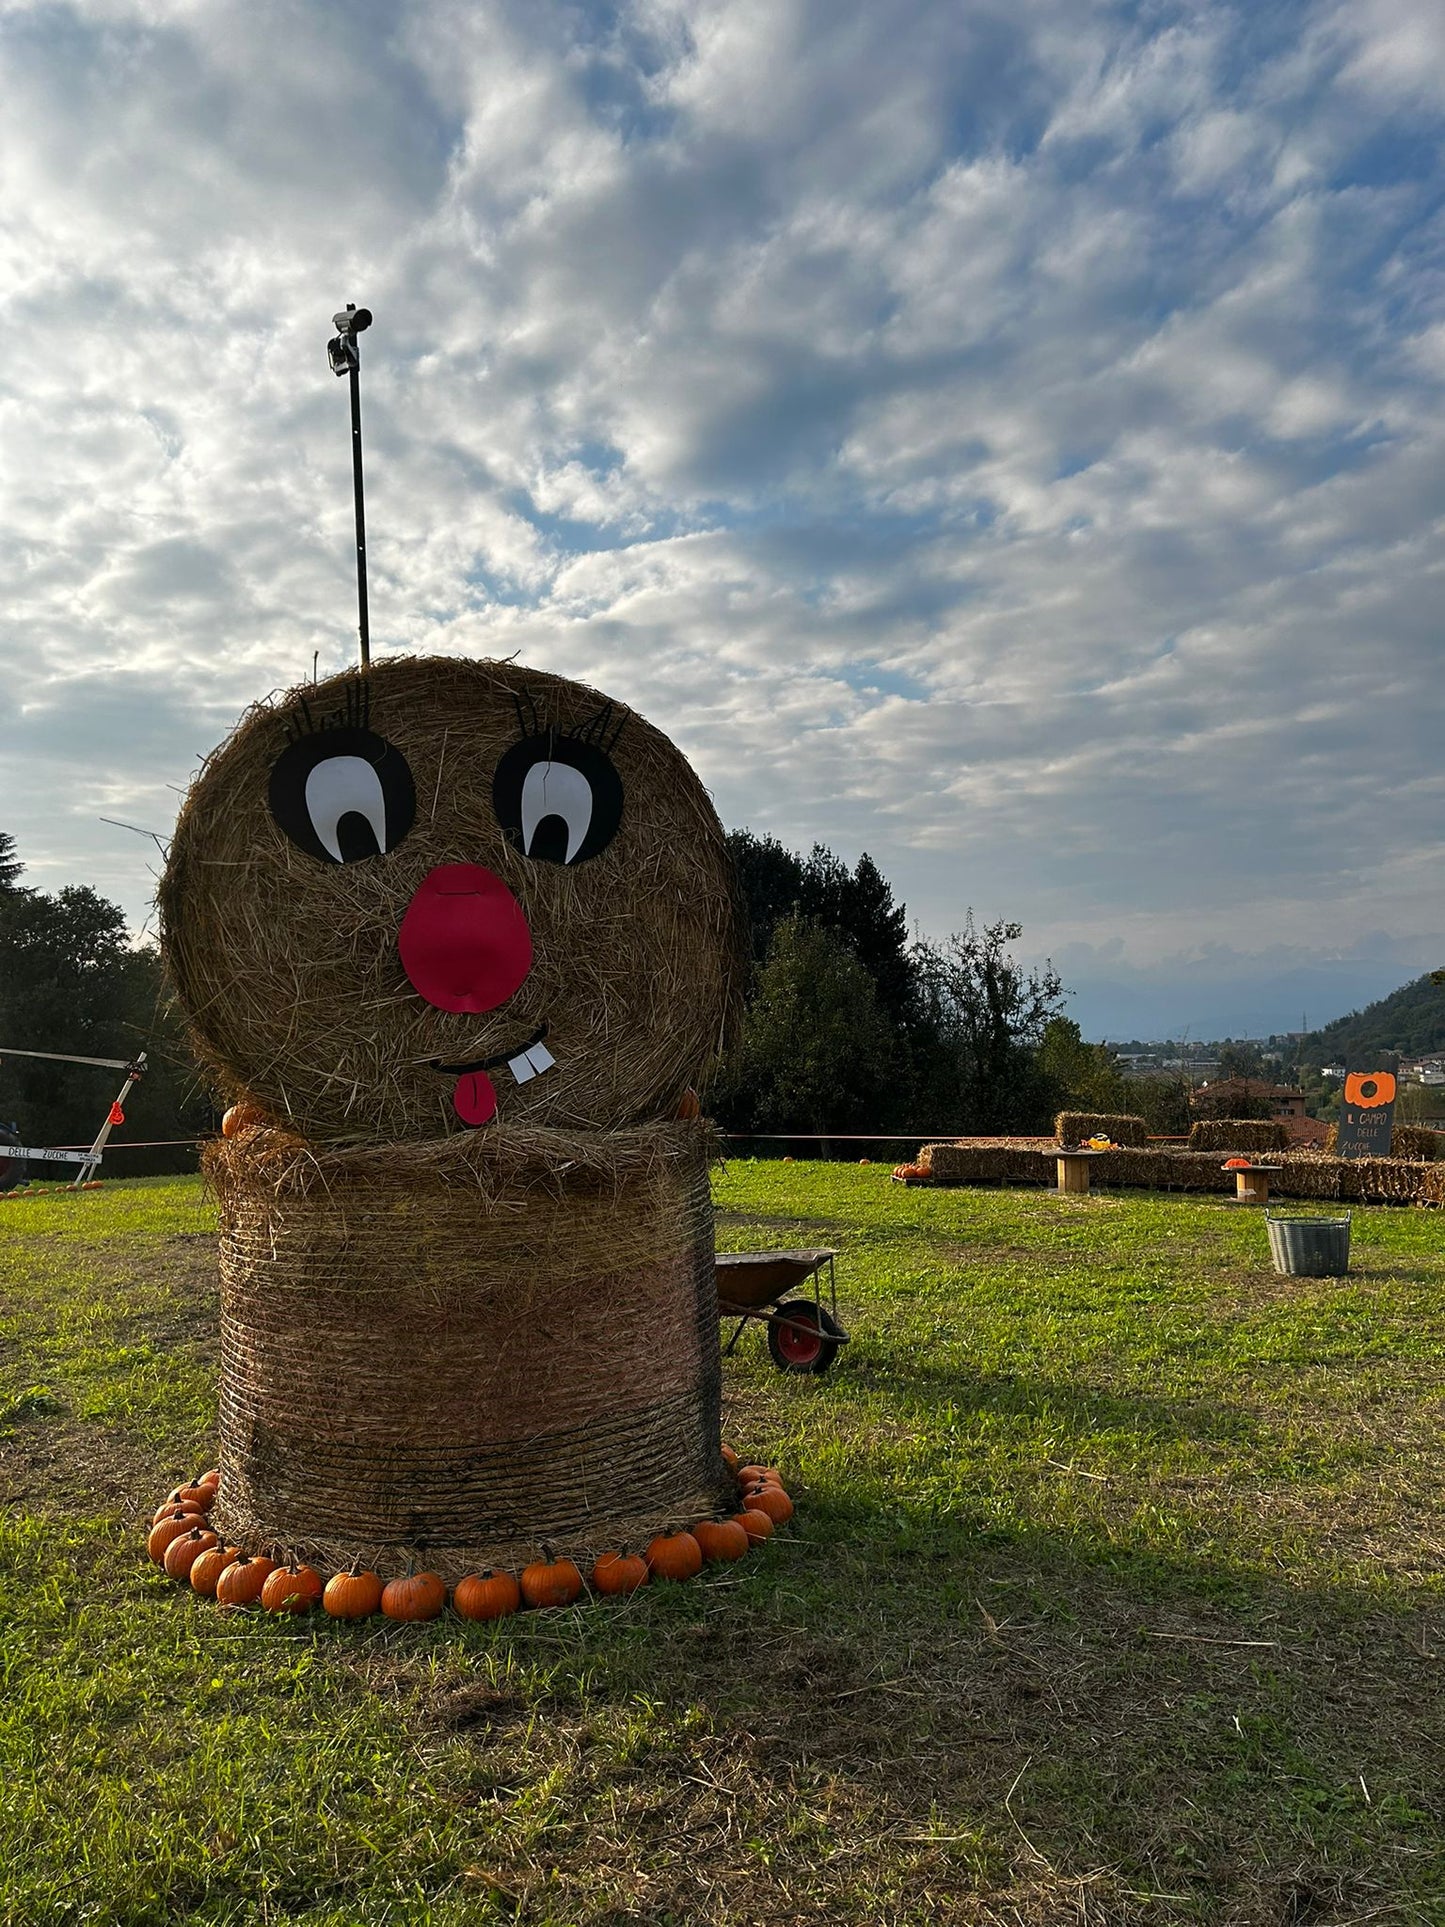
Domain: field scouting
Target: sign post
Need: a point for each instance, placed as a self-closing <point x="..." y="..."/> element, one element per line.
<point x="1367" y="1106"/>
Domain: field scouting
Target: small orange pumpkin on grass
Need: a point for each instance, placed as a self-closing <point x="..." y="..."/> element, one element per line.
<point x="619" y="1572"/>
<point x="291" y="1589"/>
<point x="417" y="1596"/>
<point x="550" y="1581"/>
<point x="206" y="1572"/>
<point x="351" y="1595"/>
<point x="182" y="1553"/>
<point x="721" y="1539"/>
<point x="756" y="1524"/>
<point x="486" y="1595"/>
<point x="243" y="1581"/>
<point x="770" y="1499"/>
<point x="172" y="1526"/>
<point x="674" y="1555"/>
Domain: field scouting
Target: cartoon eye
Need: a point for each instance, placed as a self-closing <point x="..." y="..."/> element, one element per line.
<point x="343" y="794"/>
<point x="558" y="798"/>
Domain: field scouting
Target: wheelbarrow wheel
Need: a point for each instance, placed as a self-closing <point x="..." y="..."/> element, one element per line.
<point x="803" y="1337"/>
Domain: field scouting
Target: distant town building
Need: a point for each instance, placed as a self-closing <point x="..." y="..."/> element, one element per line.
<point x="1248" y="1093"/>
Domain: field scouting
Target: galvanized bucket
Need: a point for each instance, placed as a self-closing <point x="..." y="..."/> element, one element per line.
<point x="1309" y="1247"/>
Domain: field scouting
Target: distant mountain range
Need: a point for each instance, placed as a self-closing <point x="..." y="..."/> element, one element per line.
<point x="1410" y="1020"/>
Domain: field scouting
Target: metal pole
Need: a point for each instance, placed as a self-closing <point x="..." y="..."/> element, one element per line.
<point x="134" y="1073"/>
<point x="363" y="624"/>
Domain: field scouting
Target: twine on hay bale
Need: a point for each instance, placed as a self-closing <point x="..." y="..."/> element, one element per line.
<point x="288" y="965"/>
<point x="420" y="1361"/>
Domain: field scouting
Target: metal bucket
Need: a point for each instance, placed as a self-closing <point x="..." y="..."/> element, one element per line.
<point x="1309" y="1247"/>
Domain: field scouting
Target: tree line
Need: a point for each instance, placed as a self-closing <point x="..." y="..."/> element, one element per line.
<point x="853" y="1023"/>
<point x="72" y="981"/>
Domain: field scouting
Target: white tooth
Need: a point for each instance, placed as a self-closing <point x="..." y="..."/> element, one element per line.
<point x="540" y="1057"/>
<point x="521" y="1068"/>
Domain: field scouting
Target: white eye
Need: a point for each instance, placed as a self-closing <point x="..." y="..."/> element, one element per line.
<point x="556" y="789"/>
<point x="342" y="786"/>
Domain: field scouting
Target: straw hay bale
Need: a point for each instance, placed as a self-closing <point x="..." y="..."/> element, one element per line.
<point x="495" y="1345"/>
<point x="1072" y="1127"/>
<point x="1302" y="1174"/>
<point x="288" y="964"/>
<point x="1238" y="1135"/>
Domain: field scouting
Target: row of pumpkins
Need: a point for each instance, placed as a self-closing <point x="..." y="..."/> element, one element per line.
<point x="181" y="1540"/>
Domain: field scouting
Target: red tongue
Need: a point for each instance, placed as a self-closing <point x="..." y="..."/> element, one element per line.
<point x="474" y="1100"/>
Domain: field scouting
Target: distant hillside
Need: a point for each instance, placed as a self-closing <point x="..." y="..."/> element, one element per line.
<point x="1410" y="1020"/>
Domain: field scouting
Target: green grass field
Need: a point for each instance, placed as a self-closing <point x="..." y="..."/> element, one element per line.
<point x="1114" y="1595"/>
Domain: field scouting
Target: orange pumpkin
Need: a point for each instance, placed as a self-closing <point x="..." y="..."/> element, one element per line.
<point x="211" y="1478"/>
<point x="182" y="1553"/>
<point x="721" y="1539"/>
<point x="291" y="1589"/>
<point x="242" y="1582"/>
<point x="241" y="1117"/>
<point x="689" y="1105"/>
<point x="168" y="1529"/>
<point x="420" y="1595"/>
<point x="201" y="1496"/>
<point x="550" y="1581"/>
<point x="191" y="1512"/>
<point x="757" y="1525"/>
<point x="759" y="1475"/>
<point x="770" y="1499"/>
<point x="486" y="1595"/>
<point x="207" y="1570"/>
<point x="674" y="1555"/>
<point x="618" y="1572"/>
<point x="352" y="1595"/>
<point x="730" y="1458"/>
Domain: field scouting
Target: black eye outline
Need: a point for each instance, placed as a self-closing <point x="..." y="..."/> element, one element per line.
<point x="557" y="836"/>
<point x="354" y="831"/>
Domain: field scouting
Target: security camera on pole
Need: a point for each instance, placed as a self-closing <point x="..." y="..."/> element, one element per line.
<point x="345" y="358"/>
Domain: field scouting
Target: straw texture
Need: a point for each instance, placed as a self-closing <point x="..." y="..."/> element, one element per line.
<point x="289" y="967"/>
<point x="1301" y="1174"/>
<point x="494" y="1346"/>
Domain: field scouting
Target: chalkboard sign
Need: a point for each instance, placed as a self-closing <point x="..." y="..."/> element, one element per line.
<point x="1367" y="1107"/>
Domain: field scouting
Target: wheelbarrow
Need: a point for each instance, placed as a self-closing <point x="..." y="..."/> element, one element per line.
<point x="804" y="1334"/>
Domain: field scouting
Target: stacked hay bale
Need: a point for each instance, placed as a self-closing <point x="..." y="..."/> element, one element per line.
<point x="1075" y="1127"/>
<point x="460" y="937"/>
<point x="1238" y="1136"/>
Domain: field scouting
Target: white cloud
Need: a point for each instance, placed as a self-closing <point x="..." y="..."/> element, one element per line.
<point x="1007" y="440"/>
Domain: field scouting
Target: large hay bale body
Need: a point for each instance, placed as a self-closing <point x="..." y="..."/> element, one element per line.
<point x="467" y="929"/>
<point x="488" y="1346"/>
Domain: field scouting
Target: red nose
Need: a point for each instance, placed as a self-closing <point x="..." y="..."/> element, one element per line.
<point x="464" y="940"/>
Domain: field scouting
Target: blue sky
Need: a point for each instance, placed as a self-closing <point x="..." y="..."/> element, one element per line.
<point x="1005" y="438"/>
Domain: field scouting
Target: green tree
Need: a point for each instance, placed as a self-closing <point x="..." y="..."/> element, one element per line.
<point x="817" y="1052"/>
<point x="987" y="1016"/>
<point x="1241" y="1060"/>
<point x="71" y="982"/>
<point x="11" y="868"/>
<point x="1163" y="1103"/>
<point x="1087" y="1076"/>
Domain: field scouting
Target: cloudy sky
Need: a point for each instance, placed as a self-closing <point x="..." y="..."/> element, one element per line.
<point x="1006" y="438"/>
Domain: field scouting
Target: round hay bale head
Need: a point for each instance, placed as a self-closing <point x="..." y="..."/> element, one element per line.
<point x="465" y="1348"/>
<point x="408" y="903"/>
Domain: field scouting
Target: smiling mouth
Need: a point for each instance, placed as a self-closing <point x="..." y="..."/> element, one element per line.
<point x="524" y="1061"/>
